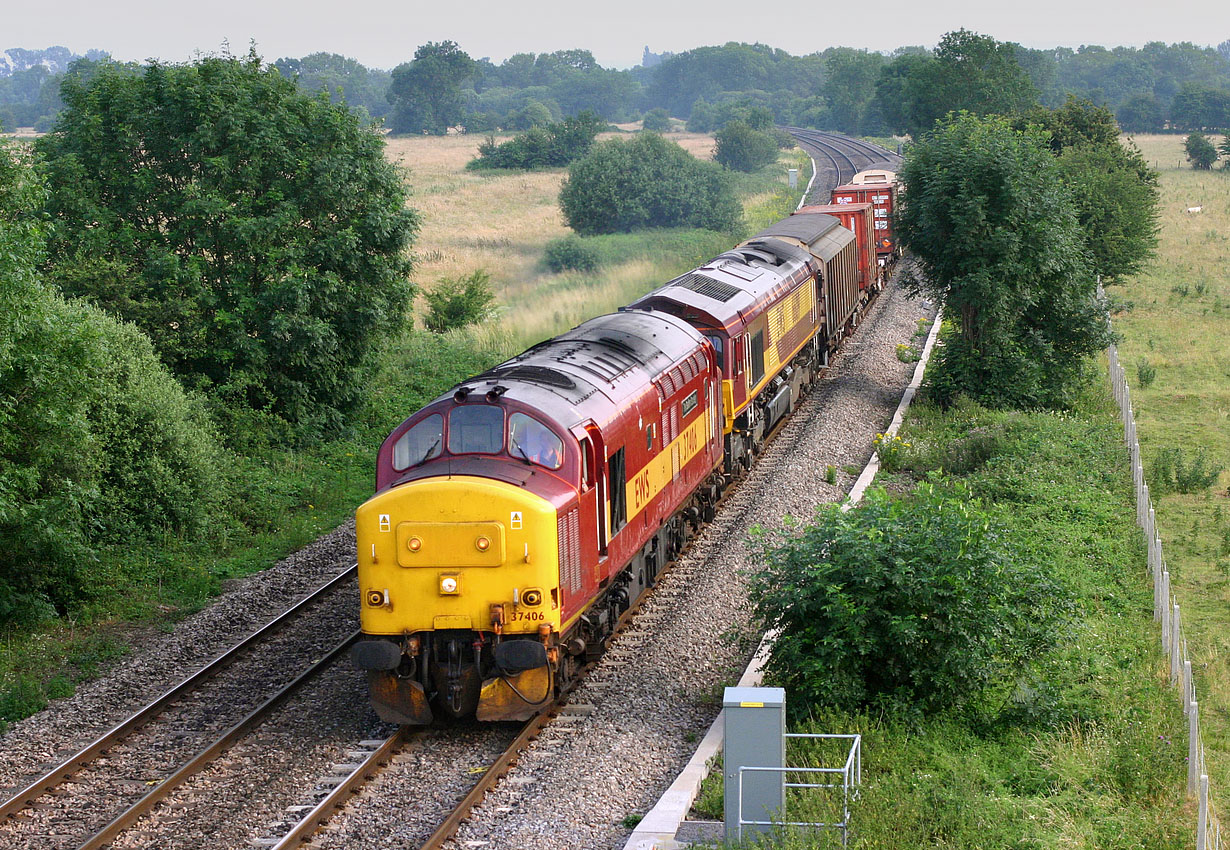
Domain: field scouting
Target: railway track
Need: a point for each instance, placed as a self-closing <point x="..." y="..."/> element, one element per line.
<point x="126" y="771"/>
<point x="844" y="157"/>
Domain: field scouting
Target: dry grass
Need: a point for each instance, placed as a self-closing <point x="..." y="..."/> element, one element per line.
<point x="476" y="220"/>
<point x="1180" y="324"/>
<point x="501" y="222"/>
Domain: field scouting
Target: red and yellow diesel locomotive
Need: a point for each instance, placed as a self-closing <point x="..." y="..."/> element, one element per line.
<point x="520" y="514"/>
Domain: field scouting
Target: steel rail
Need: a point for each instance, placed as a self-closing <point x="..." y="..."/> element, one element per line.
<point x="338" y="797"/>
<point x="198" y="762"/>
<point x="83" y="757"/>
<point x="843" y="145"/>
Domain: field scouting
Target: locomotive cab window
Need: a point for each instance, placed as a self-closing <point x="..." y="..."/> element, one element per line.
<point x="716" y="341"/>
<point x="476" y="429"/>
<point x="530" y="440"/>
<point x="422" y="442"/>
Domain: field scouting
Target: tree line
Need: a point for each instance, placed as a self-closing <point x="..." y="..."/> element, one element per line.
<point x="1158" y="86"/>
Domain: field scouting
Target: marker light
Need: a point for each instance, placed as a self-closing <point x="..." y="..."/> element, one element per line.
<point x="448" y="584"/>
<point x="414" y="544"/>
<point x="483" y="544"/>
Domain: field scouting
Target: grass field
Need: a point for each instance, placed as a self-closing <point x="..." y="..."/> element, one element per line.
<point x="1178" y="329"/>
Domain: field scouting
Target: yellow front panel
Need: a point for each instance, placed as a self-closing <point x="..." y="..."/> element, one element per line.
<point x="661" y="469"/>
<point x="450" y="544"/>
<point x="447" y="516"/>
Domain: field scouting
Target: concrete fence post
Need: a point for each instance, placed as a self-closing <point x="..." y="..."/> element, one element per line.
<point x="1159" y="598"/>
<point x="1193" y="746"/>
<point x="1175" y="637"/>
<point x="1202" y="820"/>
<point x="1165" y="611"/>
<point x="1189" y="694"/>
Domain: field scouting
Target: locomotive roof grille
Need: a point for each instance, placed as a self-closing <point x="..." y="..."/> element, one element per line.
<point x="534" y="374"/>
<point x="707" y="286"/>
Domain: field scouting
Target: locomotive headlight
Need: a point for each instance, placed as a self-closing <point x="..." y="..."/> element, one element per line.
<point x="449" y="585"/>
<point x="414" y="544"/>
<point x="483" y="544"/>
<point x="531" y="597"/>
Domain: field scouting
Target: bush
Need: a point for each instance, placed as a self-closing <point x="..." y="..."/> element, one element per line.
<point x="1172" y="473"/>
<point x="570" y="254"/>
<point x="656" y="121"/>
<point x="551" y="146"/>
<point x="906" y="605"/>
<point x="98" y="442"/>
<point x="741" y="148"/>
<point x="646" y="182"/>
<point x="1200" y="151"/>
<point x="459" y="301"/>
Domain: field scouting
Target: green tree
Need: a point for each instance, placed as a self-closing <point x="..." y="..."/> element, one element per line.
<point x="740" y="148"/>
<point x="993" y="228"/>
<point x="970" y="72"/>
<point x="1141" y="113"/>
<point x="1200" y="151"/>
<point x="425" y="93"/>
<point x="255" y="233"/>
<point x="343" y="78"/>
<point x="98" y="441"/>
<point x="909" y="605"/>
<point x="646" y="182"/>
<point x="1114" y="191"/>
<point x="656" y="121"/>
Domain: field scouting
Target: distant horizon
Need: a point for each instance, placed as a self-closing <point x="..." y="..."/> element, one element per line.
<point x="385" y="33"/>
<point x="269" y="57"/>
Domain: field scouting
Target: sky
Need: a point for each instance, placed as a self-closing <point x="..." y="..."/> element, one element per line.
<point x="382" y="33"/>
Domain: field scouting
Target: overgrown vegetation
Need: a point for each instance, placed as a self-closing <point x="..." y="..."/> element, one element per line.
<point x="741" y="148"/>
<point x="98" y="442"/>
<point x="646" y="182"/>
<point x="1082" y="742"/>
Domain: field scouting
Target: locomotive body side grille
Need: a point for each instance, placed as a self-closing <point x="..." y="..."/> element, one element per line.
<point x="568" y="529"/>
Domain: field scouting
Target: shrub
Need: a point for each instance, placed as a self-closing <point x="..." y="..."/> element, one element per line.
<point x="646" y="182"/>
<point x="549" y="146"/>
<point x="911" y="604"/>
<point x="98" y="442"/>
<point x="570" y="254"/>
<point x="459" y="301"/>
<point x="656" y="121"/>
<point x="1171" y="473"/>
<point x="1200" y="151"/>
<point x="741" y="148"/>
<point x="1146" y="372"/>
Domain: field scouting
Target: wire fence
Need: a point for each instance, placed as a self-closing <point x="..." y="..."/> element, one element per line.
<point x="1166" y="610"/>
